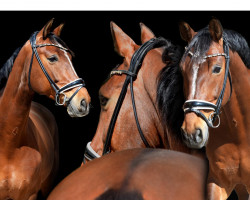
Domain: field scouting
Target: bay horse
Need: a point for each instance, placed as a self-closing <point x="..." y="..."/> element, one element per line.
<point x="215" y="68"/>
<point x="28" y="131"/>
<point x="136" y="174"/>
<point x="160" y="113"/>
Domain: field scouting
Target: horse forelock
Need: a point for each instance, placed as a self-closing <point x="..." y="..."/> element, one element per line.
<point x="199" y="46"/>
<point x="57" y="40"/>
<point x="170" y="97"/>
<point x="201" y="42"/>
<point x="7" y="67"/>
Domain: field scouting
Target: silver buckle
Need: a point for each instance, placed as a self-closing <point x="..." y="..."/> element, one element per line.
<point x="58" y="103"/>
<point x="211" y="121"/>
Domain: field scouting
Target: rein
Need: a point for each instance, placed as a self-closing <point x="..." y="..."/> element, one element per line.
<point x="135" y="64"/>
<point x="197" y="105"/>
<point x="58" y="91"/>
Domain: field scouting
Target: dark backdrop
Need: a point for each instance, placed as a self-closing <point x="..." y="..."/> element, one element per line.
<point x="87" y="33"/>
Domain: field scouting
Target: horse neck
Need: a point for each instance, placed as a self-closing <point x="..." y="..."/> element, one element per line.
<point x="237" y="110"/>
<point x="150" y="74"/>
<point x="15" y="104"/>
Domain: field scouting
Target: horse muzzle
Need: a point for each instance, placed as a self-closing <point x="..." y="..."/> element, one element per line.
<point x="78" y="109"/>
<point x="196" y="140"/>
<point x="194" y="131"/>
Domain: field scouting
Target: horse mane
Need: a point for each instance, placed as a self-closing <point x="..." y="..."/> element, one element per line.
<point x="7" y="67"/>
<point x="239" y="44"/>
<point x="170" y="97"/>
<point x="202" y="41"/>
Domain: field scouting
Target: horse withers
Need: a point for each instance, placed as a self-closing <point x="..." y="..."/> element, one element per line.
<point x="216" y="73"/>
<point x="28" y="131"/>
<point x="136" y="174"/>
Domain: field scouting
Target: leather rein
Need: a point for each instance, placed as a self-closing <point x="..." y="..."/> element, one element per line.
<point x="58" y="91"/>
<point x="135" y="64"/>
<point x="196" y="105"/>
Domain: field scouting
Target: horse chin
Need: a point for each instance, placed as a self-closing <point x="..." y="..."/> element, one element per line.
<point x="73" y="111"/>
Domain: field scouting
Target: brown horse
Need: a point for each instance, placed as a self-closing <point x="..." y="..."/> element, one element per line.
<point x="216" y="73"/>
<point x="28" y="131"/>
<point x="160" y="116"/>
<point x="136" y="174"/>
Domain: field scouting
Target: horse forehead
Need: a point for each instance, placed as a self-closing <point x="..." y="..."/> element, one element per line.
<point x="215" y="48"/>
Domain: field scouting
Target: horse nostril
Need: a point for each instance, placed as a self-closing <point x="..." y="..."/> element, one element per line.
<point x="198" y="135"/>
<point x="83" y="105"/>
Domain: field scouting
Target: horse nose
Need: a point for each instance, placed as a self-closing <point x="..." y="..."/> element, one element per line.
<point x="198" y="136"/>
<point x="194" y="138"/>
<point x="83" y="105"/>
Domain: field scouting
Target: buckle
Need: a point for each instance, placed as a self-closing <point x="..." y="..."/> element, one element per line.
<point x="57" y="98"/>
<point x="210" y="119"/>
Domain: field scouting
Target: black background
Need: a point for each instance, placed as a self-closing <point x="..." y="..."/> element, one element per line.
<point x="87" y="33"/>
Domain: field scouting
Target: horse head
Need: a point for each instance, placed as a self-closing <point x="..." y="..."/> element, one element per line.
<point x="131" y="130"/>
<point x="206" y="87"/>
<point x="52" y="73"/>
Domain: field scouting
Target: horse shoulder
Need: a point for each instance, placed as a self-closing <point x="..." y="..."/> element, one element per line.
<point x="42" y="128"/>
<point x="19" y="174"/>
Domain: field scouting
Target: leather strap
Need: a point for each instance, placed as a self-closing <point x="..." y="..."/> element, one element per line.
<point x="120" y="72"/>
<point x="197" y="105"/>
<point x="135" y="64"/>
<point x="76" y="83"/>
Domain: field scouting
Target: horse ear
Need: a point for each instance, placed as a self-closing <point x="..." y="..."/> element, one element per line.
<point x="146" y="33"/>
<point x="46" y="29"/>
<point x="186" y="32"/>
<point x="57" y="31"/>
<point x="123" y="44"/>
<point x="215" y="29"/>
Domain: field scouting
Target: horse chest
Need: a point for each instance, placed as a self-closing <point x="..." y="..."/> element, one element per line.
<point x="19" y="175"/>
<point x="225" y="160"/>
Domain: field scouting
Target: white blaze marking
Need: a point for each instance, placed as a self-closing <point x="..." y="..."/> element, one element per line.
<point x="66" y="55"/>
<point x="195" y="73"/>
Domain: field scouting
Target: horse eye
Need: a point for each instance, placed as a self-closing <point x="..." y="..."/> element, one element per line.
<point x="53" y="58"/>
<point x="216" y="69"/>
<point x="103" y="100"/>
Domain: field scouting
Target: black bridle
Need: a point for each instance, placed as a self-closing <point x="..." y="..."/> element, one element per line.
<point x="58" y="91"/>
<point x="135" y="64"/>
<point x="197" y="105"/>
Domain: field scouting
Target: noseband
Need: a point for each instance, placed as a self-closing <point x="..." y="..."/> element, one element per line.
<point x="58" y="91"/>
<point x="135" y="64"/>
<point x="197" y="105"/>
